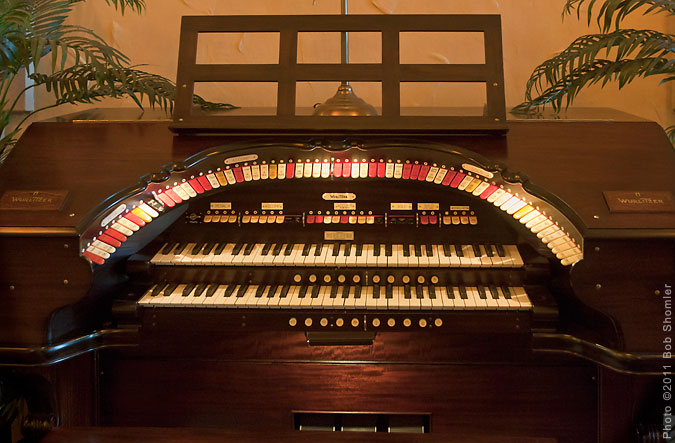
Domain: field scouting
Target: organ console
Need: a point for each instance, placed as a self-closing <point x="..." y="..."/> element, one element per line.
<point x="476" y="288"/>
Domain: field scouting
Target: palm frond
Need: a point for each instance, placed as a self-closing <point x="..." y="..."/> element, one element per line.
<point x="86" y="83"/>
<point x="641" y="44"/>
<point x="671" y="134"/>
<point x="612" y="12"/>
<point x="134" y="5"/>
<point x="602" y="71"/>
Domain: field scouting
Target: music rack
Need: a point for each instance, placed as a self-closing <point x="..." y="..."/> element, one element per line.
<point x="390" y="72"/>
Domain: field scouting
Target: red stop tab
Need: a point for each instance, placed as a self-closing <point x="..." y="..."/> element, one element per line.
<point x="109" y="240"/>
<point x="448" y="178"/>
<point x="114" y="233"/>
<point x="381" y="168"/>
<point x="424" y="171"/>
<point x="134" y="218"/>
<point x="457" y="180"/>
<point x="205" y="183"/>
<point x="196" y="186"/>
<point x="406" y="171"/>
<point x="93" y="257"/>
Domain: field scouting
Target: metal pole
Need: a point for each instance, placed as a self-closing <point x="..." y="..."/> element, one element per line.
<point x="344" y="41"/>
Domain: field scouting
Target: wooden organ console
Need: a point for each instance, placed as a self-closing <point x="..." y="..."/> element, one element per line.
<point x="475" y="288"/>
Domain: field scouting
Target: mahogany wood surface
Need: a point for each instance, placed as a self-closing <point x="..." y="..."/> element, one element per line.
<point x="203" y="435"/>
<point x="545" y="401"/>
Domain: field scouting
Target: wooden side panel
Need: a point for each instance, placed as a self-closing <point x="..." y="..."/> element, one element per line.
<point x="37" y="276"/>
<point x="543" y="401"/>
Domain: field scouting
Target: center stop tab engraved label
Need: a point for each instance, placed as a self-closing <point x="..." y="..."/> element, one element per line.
<point x="338" y="196"/>
<point x="338" y="235"/>
<point x="272" y="206"/>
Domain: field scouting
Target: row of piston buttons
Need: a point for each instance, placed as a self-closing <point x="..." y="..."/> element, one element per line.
<point x="375" y="322"/>
<point x="461" y="218"/>
<point x="375" y="279"/>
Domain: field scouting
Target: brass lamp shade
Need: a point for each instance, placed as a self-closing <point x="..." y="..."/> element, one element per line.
<point x="344" y="104"/>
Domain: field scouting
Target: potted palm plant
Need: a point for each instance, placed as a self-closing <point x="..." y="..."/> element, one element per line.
<point x="614" y="54"/>
<point x="81" y="68"/>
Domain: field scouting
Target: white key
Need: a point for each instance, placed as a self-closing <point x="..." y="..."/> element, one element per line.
<point x="294" y="301"/>
<point x="403" y="303"/>
<point x="317" y="303"/>
<point x="296" y="256"/>
<point x="269" y="258"/>
<point x="382" y="301"/>
<point x="147" y="299"/>
<point x="423" y="259"/>
<point x="489" y="300"/>
<point x="521" y="297"/>
<point x="285" y="302"/>
<point x="352" y="259"/>
<point x="413" y="260"/>
<point x="469" y="259"/>
<point x="178" y="258"/>
<point x="306" y="301"/>
<point x="273" y="302"/>
<point x="435" y="259"/>
<point x="380" y="260"/>
<point x="256" y="257"/>
<point x="396" y="252"/>
<point x="310" y="258"/>
<point x="403" y="261"/>
<point x="341" y="259"/>
<point x="502" y="303"/>
<point x="225" y="257"/>
<point x="371" y="302"/>
<point x="360" y="303"/>
<point x="437" y="303"/>
<point x="185" y="299"/>
<point x="278" y="260"/>
<point x="394" y="302"/>
<point x="513" y="255"/>
<point x="366" y="258"/>
<point x="415" y="302"/>
<point x="425" y="302"/>
<point x="461" y="303"/>
<point x="323" y="258"/>
<point x="262" y="300"/>
<point x="244" y="300"/>
<point x="231" y="300"/>
<point x="350" y="301"/>
<point x="447" y="302"/>
<point x="212" y="301"/>
<point x="478" y="302"/>
<point x="485" y="261"/>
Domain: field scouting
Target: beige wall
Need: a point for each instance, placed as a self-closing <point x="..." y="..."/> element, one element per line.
<point x="532" y="31"/>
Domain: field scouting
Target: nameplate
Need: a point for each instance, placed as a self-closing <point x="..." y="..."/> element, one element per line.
<point x="338" y="235"/>
<point x="639" y="201"/>
<point x="48" y="200"/>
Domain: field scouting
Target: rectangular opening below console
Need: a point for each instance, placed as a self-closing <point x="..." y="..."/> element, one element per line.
<point x="409" y="423"/>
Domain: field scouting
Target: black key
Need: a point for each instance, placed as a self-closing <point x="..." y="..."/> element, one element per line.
<point x="387" y="250"/>
<point x="348" y="249"/>
<point x="376" y="291"/>
<point x="446" y="250"/>
<point x="315" y="291"/>
<point x="305" y="249"/>
<point x="276" y="250"/>
<point x="266" y="249"/>
<point x="507" y="292"/>
<point x="169" y="289"/>
<point x="237" y="248"/>
<point x="333" y="291"/>
<point x="187" y="289"/>
<point x="406" y="291"/>
<point x="462" y="293"/>
<point x="288" y="249"/>
<point x="198" y="247"/>
<point x="259" y="291"/>
<point x="199" y="289"/>
<point x="432" y="292"/>
<point x="319" y="248"/>
<point x="336" y="249"/>
<point x="303" y="291"/>
<point x="420" y="292"/>
<point x="459" y="251"/>
<point x="249" y="248"/>
<point x="229" y="290"/>
<point x="167" y="248"/>
<point x="406" y="250"/>
<point x="179" y="248"/>
<point x="212" y="290"/>
<point x="500" y="250"/>
<point x="208" y="248"/>
<point x="418" y="250"/>
<point x="159" y="287"/>
<point x="219" y="248"/>
<point x="359" y="249"/>
<point x="481" y="293"/>
<point x="272" y="291"/>
<point x="476" y="251"/>
<point x="242" y="291"/>
<point x="389" y="293"/>
<point x="430" y="251"/>
<point x="376" y="250"/>
<point x="488" y="250"/>
<point x="494" y="292"/>
<point x="345" y="291"/>
<point x="357" y="292"/>
<point x="451" y="293"/>
<point x="284" y="291"/>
